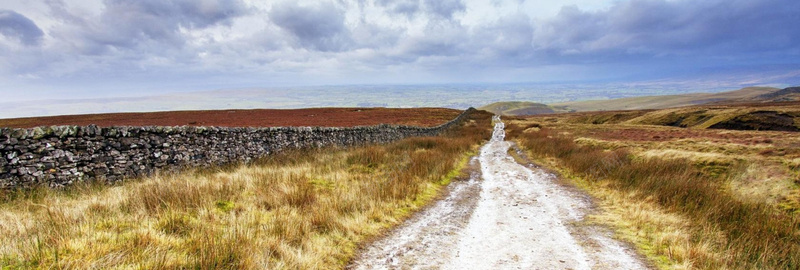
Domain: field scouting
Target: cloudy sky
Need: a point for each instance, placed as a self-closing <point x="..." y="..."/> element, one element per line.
<point x="107" y="48"/>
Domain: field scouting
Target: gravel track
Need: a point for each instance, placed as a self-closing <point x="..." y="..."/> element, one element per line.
<point x="506" y="216"/>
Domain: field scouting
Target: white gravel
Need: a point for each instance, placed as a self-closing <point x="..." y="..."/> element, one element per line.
<point x="514" y="218"/>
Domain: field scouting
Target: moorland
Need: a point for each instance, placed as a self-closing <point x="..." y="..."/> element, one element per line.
<point x="319" y="117"/>
<point x="699" y="187"/>
<point x="700" y="181"/>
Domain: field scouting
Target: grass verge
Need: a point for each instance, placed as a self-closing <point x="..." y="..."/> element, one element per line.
<point x="676" y="213"/>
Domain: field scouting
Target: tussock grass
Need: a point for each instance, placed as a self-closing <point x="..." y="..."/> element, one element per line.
<point x="306" y="209"/>
<point x="723" y="231"/>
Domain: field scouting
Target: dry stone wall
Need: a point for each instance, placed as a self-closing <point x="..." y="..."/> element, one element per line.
<point x="60" y="155"/>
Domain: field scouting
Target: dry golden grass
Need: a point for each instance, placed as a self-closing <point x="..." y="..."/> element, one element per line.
<point x="300" y="210"/>
<point x="688" y="198"/>
<point x="664" y="237"/>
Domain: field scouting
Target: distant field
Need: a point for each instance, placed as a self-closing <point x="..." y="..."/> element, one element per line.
<point x="323" y="117"/>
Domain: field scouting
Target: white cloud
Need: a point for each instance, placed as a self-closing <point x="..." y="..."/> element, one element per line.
<point x="160" y="44"/>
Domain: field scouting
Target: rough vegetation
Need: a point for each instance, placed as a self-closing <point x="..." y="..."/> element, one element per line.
<point x="307" y="209"/>
<point x="772" y="116"/>
<point x="687" y="197"/>
<point x="762" y="120"/>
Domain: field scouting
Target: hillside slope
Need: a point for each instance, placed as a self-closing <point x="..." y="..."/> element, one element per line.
<point x="781" y="116"/>
<point x="514" y="108"/>
<point x="668" y="101"/>
<point x="786" y="94"/>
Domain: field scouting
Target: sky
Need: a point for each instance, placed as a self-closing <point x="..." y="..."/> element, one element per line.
<point x="52" y="49"/>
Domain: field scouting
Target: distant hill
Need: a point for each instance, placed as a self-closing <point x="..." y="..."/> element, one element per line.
<point x="744" y="95"/>
<point x="749" y="94"/>
<point x="780" y="116"/>
<point x="786" y="94"/>
<point x="516" y="108"/>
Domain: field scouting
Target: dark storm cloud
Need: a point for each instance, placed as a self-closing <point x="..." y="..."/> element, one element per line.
<point x="319" y="27"/>
<point x="658" y="27"/>
<point x="17" y="26"/>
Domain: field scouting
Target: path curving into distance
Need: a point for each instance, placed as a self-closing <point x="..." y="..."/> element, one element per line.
<point x="507" y="216"/>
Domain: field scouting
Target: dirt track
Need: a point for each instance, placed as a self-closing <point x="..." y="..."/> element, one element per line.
<point x="514" y="217"/>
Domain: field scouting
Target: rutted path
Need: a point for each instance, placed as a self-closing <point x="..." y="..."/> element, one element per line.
<point x="513" y="218"/>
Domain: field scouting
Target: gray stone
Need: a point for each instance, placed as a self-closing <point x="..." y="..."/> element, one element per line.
<point x="19" y="134"/>
<point x="65" y="131"/>
<point x="39" y="132"/>
<point x="110" y="132"/>
<point x="91" y="130"/>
